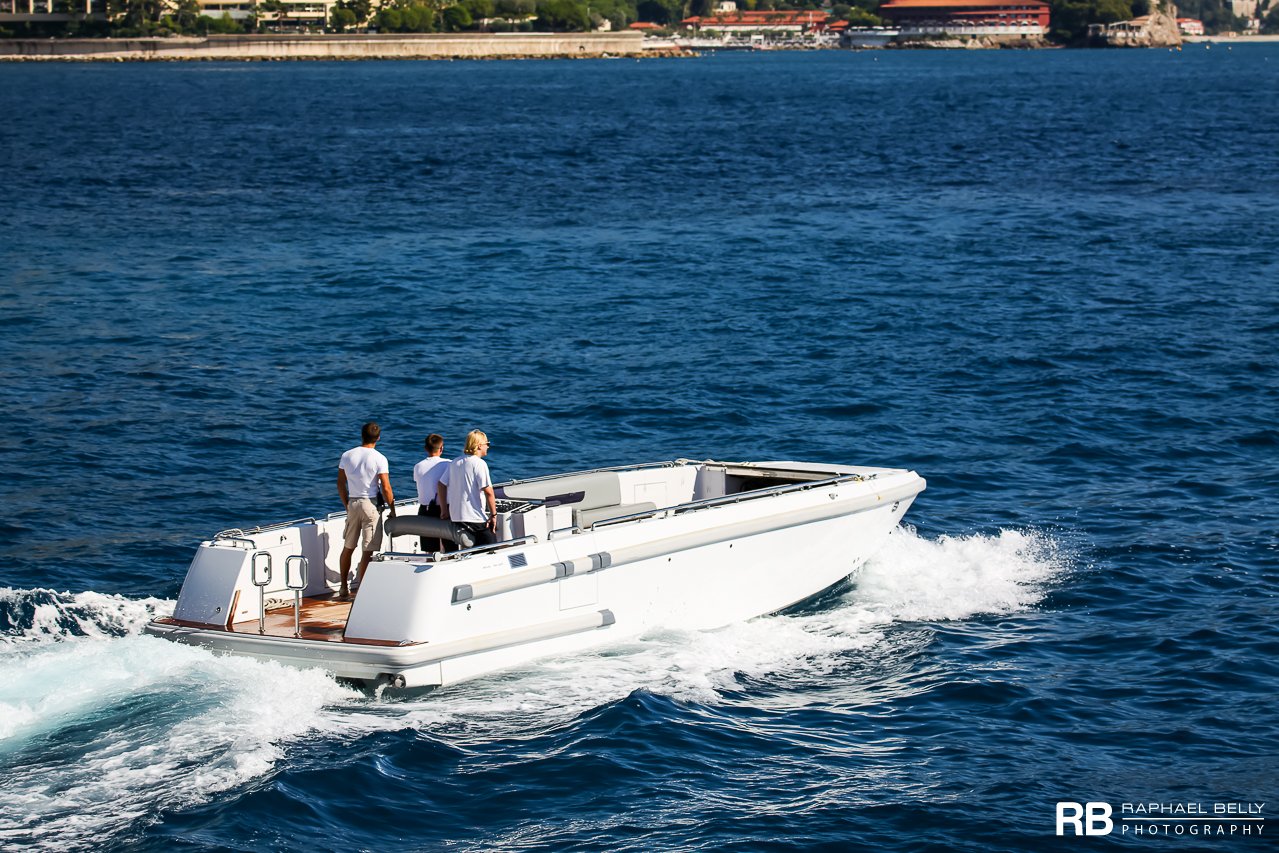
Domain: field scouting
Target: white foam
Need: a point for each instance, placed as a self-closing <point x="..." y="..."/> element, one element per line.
<point x="98" y="732"/>
<point x="135" y="725"/>
<point x="911" y="579"/>
<point x="55" y="616"/>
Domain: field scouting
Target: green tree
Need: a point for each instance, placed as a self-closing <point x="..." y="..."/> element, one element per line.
<point x="562" y="16"/>
<point x="1270" y="23"/>
<point x="186" y="16"/>
<point x="407" y="17"/>
<point x="135" y="16"/>
<point x="455" y="18"/>
<point x="1070" y="19"/>
<point x="665" y="12"/>
<point x="1111" y="11"/>
<point x="224" y="25"/>
<point x="516" y="8"/>
<point x="859" y="17"/>
<point x="341" y="18"/>
<point x="480" y="8"/>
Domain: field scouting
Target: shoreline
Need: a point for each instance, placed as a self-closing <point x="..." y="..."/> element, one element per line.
<point x="327" y="47"/>
<point x="352" y="47"/>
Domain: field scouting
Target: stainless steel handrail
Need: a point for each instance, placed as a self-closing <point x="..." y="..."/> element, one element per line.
<point x="753" y="494"/>
<point x="236" y="540"/>
<point x="297" y="588"/>
<point x="230" y="532"/>
<point x="261" y="585"/>
<point x="454" y="555"/>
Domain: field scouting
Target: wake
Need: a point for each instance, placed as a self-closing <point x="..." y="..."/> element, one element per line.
<point x="172" y="726"/>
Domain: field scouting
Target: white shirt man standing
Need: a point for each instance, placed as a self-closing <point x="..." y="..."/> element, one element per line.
<point x="361" y="472"/>
<point x="465" y="487"/>
<point x="427" y="476"/>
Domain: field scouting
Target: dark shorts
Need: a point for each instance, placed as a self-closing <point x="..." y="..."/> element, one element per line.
<point x="479" y="532"/>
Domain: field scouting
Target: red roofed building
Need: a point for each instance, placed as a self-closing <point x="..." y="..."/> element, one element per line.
<point x="942" y="14"/>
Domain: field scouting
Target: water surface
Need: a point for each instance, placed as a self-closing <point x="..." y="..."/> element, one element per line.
<point x="1044" y="280"/>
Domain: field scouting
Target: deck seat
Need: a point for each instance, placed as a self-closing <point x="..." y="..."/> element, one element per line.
<point x="581" y="491"/>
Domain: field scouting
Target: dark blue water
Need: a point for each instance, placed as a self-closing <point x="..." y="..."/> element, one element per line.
<point x="1044" y="280"/>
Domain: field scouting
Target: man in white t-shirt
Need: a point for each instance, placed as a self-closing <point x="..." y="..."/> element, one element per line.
<point x="465" y="487"/>
<point x="360" y="473"/>
<point x="427" y="476"/>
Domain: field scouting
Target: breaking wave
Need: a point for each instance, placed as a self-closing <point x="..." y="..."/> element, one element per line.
<point x="42" y="615"/>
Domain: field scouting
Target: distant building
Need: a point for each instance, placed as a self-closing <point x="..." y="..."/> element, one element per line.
<point x="1190" y="26"/>
<point x="1133" y="26"/>
<point x="1244" y="8"/>
<point x="297" y="14"/>
<point x="50" y="10"/>
<point x="759" y="23"/>
<point x="985" y="17"/>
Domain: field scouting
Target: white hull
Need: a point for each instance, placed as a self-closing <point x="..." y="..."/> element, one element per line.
<point x="677" y="547"/>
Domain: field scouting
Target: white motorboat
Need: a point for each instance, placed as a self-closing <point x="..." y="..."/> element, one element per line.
<point x="584" y="559"/>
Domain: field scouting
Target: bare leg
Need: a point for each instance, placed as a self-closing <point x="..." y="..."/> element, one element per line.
<point x="364" y="564"/>
<point x="344" y="565"/>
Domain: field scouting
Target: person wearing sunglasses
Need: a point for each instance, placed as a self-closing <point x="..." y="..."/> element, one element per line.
<point x="465" y="491"/>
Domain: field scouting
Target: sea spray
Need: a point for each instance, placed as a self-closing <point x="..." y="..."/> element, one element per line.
<point x="97" y="731"/>
<point x="911" y="579"/>
<point x="44" y="615"/>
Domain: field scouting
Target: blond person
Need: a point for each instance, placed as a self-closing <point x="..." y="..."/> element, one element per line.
<point x="465" y="491"/>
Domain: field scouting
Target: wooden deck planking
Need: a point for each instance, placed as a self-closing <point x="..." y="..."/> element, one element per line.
<point x="321" y="618"/>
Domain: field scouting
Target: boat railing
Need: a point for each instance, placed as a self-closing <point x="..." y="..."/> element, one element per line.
<point x="237" y="533"/>
<point x="753" y="494"/>
<point x="439" y="557"/>
<point x="234" y="540"/>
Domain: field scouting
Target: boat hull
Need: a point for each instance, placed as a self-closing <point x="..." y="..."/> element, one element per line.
<point x="417" y="623"/>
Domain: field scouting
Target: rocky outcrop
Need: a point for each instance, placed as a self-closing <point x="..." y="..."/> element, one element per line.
<point x="1158" y="29"/>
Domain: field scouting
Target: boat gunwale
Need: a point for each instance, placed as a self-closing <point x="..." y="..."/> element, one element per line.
<point x="664" y="513"/>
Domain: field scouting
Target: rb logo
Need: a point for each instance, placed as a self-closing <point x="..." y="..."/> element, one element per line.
<point x="1098" y="818"/>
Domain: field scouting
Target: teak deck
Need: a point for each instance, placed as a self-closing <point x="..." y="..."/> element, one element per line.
<point x="321" y="618"/>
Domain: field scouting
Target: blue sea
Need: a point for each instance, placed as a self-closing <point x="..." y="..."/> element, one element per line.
<point x="1045" y="280"/>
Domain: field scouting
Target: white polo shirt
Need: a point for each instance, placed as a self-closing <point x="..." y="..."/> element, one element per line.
<point x="362" y="466"/>
<point x="427" y="475"/>
<point x="466" y="478"/>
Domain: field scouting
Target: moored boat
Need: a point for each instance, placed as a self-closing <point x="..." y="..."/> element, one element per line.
<point x="584" y="559"/>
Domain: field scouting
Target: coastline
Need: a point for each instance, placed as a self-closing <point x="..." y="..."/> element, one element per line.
<point x="1231" y="39"/>
<point x="335" y="47"/>
<point x="450" y="46"/>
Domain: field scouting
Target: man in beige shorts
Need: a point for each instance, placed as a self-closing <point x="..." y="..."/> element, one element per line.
<point x="361" y="472"/>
